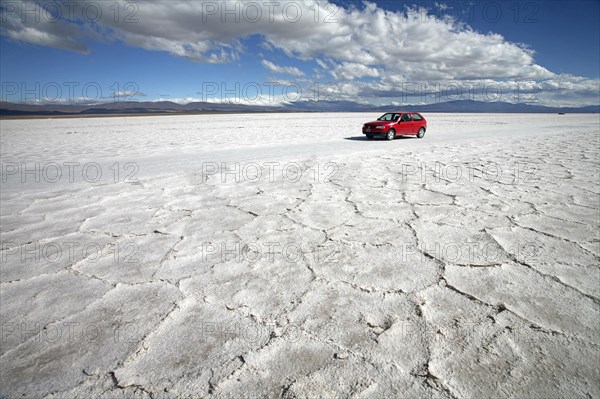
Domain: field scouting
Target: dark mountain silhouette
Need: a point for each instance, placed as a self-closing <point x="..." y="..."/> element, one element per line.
<point x="167" y="107"/>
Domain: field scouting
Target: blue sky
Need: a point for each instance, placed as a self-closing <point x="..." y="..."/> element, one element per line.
<point x="377" y="52"/>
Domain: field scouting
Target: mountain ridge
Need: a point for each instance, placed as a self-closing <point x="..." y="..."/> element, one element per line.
<point x="169" y="107"/>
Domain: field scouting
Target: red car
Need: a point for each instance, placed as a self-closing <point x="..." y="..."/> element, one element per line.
<point x="394" y="124"/>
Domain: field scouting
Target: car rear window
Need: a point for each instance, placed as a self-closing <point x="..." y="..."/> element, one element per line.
<point x="417" y="117"/>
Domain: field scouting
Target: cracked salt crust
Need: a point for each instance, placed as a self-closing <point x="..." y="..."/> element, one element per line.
<point x="378" y="304"/>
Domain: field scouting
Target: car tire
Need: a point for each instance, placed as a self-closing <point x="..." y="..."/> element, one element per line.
<point x="421" y="133"/>
<point x="391" y="134"/>
<point x="370" y="136"/>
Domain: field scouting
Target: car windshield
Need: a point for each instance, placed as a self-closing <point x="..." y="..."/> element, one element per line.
<point x="388" y="117"/>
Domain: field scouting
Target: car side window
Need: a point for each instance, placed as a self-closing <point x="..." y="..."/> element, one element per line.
<point x="417" y="117"/>
<point x="396" y="117"/>
<point x="405" y="118"/>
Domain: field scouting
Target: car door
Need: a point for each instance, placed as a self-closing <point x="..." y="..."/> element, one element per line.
<point x="405" y="125"/>
<point x="396" y="126"/>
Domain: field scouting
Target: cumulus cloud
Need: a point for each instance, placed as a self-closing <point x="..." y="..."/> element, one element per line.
<point x="352" y="70"/>
<point x="405" y="44"/>
<point x="349" y="43"/>
<point x="279" y="69"/>
<point x="29" y="22"/>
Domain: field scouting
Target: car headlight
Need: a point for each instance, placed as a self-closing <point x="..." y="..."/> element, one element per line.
<point x="380" y="127"/>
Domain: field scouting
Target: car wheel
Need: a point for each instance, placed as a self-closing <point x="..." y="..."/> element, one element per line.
<point x="369" y="136"/>
<point x="391" y="134"/>
<point x="421" y="133"/>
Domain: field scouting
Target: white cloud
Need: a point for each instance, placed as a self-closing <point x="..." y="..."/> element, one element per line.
<point x="279" y="69"/>
<point x="321" y="63"/>
<point x="403" y="43"/>
<point x="349" y="43"/>
<point x="28" y="22"/>
<point x="352" y="70"/>
<point x="262" y="100"/>
<point x="180" y="100"/>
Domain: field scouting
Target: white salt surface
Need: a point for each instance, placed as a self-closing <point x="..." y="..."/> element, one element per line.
<point x="284" y="255"/>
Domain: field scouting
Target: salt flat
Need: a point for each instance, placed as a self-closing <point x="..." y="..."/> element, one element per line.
<point x="284" y="255"/>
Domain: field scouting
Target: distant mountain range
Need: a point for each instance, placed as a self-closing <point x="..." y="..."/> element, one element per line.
<point x="166" y="107"/>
